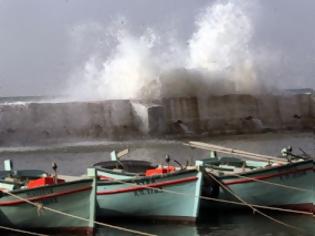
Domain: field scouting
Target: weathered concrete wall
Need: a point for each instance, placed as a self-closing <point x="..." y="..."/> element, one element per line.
<point x="295" y="111"/>
<point x="269" y="111"/>
<point x="182" y="114"/>
<point x="306" y="104"/>
<point x="32" y="122"/>
<point x="231" y="112"/>
<point x="240" y="113"/>
<point x="312" y="106"/>
<point x="289" y="109"/>
<point x="37" y="121"/>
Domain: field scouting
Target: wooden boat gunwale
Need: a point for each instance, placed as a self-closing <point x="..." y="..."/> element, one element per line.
<point x="268" y="169"/>
<point x="137" y="177"/>
<point x="16" y="191"/>
<point x="120" y="173"/>
<point x="151" y="185"/>
<point x="43" y="197"/>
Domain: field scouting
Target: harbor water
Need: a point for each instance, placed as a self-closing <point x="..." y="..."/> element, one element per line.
<point x="74" y="157"/>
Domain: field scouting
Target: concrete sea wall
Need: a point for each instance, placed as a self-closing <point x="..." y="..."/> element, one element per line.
<point x="32" y="122"/>
<point x="244" y="113"/>
<point x="120" y="119"/>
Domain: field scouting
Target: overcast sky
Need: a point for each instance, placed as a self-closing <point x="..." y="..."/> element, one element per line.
<point x="39" y="49"/>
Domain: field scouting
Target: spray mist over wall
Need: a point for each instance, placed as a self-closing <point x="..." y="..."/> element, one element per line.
<point x="216" y="59"/>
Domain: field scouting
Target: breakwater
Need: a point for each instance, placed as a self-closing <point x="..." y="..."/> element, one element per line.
<point x="33" y="122"/>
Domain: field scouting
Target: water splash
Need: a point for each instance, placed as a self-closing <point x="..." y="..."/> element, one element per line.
<point x="222" y="37"/>
<point x="125" y="73"/>
<point x="222" y="41"/>
<point x="217" y="59"/>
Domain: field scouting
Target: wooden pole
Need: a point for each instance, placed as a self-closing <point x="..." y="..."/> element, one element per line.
<point x="237" y="152"/>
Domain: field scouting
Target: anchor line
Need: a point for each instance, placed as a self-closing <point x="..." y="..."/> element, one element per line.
<point x="77" y="217"/>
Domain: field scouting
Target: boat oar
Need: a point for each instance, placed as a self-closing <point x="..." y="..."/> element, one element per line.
<point x="122" y="153"/>
<point x="116" y="156"/>
<point x="237" y="152"/>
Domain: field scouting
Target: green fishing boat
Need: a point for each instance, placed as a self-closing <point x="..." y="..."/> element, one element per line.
<point x="173" y="195"/>
<point x="288" y="186"/>
<point x="286" y="182"/>
<point x="67" y="199"/>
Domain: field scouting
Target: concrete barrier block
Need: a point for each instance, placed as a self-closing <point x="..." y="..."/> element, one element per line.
<point x="231" y="112"/>
<point x="149" y="118"/>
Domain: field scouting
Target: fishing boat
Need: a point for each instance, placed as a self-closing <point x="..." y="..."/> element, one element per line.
<point x="287" y="186"/>
<point x="32" y="199"/>
<point x="158" y="193"/>
<point x="270" y="181"/>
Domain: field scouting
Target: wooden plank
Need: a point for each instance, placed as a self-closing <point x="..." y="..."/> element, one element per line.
<point x="237" y="152"/>
<point x="123" y="152"/>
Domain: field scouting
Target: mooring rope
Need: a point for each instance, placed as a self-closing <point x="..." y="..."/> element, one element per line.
<point x="21" y="231"/>
<point x="37" y="205"/>
<point x="253" y="208"/>
<point x="270" y="183"/>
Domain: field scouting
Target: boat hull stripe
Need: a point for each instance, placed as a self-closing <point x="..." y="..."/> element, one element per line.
<point x="44" y="197"/>
<point x="145" y="186"/>
<point x="262" y="177"/>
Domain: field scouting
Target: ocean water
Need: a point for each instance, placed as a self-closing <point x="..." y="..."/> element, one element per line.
<point x="74" y="157"/>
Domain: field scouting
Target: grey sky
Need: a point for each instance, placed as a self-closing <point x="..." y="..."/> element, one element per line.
<point x="37" y="53"/>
